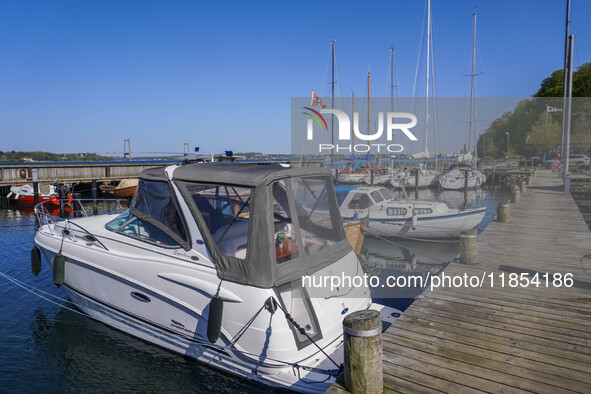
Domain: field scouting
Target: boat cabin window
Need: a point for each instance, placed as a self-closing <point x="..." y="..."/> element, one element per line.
<point x="285" y="241"/>
<point x="377" y="197"/>
<point x="385" y="194"/>
<point x="359" y="201"/>
<point x="130" y="225"/>
<point x="318" y="228"/>
<point x="422" y="211"/>
<point x="226" y="212"/>
<point x="154" y="202"/>
<point x="396" y="211"/>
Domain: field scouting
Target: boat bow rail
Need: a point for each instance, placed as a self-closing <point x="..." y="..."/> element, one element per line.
<point x="47" y="217"/>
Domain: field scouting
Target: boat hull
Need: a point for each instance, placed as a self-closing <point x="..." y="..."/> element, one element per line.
<point x="448" y="226"/>
<point x="155" y="308"/>
<point x="425" y="180"/>
<point x="53" y="200"/>
<point x="458" y="182"/>
<point x="355" y="232"/>
<point x="354" y="178"/>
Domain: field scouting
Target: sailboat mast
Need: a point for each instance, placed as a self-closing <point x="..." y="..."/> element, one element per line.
<point x="353" y="123"/>
<point x="428" y="64"/>
<point x="368" y="79"/>
<point x="332" y="106"/>
<point x="392" y="78"/>
<point x="473" y="93"/>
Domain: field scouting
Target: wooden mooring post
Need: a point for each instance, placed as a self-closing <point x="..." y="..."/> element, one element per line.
<point x="363" y="352"/>
<point x="515" y="196"/>
<point x="469" y="246"/>
<point x="94" y="190"/>
<point x="522" y="187"/>
<point x="503" y="212"/>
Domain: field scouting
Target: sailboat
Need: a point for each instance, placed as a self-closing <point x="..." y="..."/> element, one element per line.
<point x="462" y="175"/>
<point x="380" y="174"/>
<point x="418" y="176"/>
<point x="358" y="168"/>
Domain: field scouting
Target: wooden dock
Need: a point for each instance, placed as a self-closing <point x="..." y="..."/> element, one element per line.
<point x="504" y="339"/>
<point x="106" y="171"/>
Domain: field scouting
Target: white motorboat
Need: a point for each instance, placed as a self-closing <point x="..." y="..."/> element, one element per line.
<point x="53" y="194"/>
<point x="208" y="261"/>
<point x="455" y="179"/>
<point x="407" y="218"/>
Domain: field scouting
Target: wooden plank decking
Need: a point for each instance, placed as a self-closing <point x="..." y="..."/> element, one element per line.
<point x="505" y="339"/>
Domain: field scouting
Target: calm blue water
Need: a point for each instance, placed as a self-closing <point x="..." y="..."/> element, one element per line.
<point x="48" y="348"/>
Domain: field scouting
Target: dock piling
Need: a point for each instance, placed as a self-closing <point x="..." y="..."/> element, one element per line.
<point x="503" y="213"/>
<point x="515" y="196"/>
<point x="469" y="246"/>
<point x="466" y="180"/>
<point x="363" y="352"/>
<point x="36" y="193"/>
<point x="94" y="190"/>
<point x="522" y="187"/>
<point x="76" y="205"/>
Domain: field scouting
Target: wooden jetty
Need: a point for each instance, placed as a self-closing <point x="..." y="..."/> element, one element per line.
<point x="507" y="179"/>
<point x="83" y="172"/>
<point x="504" y="339"/>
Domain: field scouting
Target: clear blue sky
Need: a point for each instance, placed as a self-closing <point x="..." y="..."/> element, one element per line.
<point x="80" y="76"/>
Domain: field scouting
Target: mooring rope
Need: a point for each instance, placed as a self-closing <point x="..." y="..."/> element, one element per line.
<point x="295" y="366"/>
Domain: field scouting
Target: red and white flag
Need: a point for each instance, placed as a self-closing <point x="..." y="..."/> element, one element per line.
<point x="553" y="109"/>
<point x="316" y="101"/>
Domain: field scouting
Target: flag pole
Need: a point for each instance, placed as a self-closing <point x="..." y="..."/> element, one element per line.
<point x="569" y="87"/>
<point x="565" y="80"/>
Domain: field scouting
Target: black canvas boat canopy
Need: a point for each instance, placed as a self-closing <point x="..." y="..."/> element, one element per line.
<point x="259" y="267"/>
<point x="241" y="174"/>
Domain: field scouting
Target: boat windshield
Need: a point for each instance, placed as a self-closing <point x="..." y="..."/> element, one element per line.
<point x="226" y="213"/>
<point x="377" y="197"/>
<point x="385" y="194"/>
<point x="153" y="216"/>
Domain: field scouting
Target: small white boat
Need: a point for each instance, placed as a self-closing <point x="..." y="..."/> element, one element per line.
<point x="379" y="176"/>
<point x="410" y="218"/>
<point x="407" y="178"/>
<point x="455" y="179"/>
<point x="52" y="194"/>
<point x="462" y="198"/>
<point x="349" y="177"/>
<point x="208" y="262"/>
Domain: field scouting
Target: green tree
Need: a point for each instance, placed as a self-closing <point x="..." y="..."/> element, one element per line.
<point x="545" y="134"/>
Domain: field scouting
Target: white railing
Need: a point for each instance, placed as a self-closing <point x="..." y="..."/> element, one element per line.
<point x="47" y="217"/>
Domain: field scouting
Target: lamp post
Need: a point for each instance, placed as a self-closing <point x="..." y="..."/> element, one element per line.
<point x="507" y="141"/>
